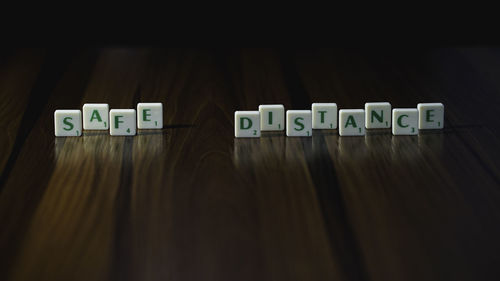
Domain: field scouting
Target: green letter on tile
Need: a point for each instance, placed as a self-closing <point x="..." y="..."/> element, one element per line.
<point x="380" y="117"/>
<point x="144" y="115"/>
<point x="66" y="122"/>
<point x="428" y="115"/>
<point x="322" y="113"/>
<point x="351" y="121"/>
<point x="296" y="121"/>
<point x="117" y="121"/>
<point x="95" y="115"/>
<point x="242" y="123"/>
<point x="401" y="123"/>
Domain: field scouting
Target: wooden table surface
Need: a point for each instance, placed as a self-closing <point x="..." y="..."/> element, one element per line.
<point x="191" y="202"/>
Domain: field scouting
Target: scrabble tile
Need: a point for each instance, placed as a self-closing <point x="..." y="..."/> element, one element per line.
<point x="150" y="115"/>
<point x="377" y="115"/>
<point x="272" y="117"/>
<point x="352" y="122"/>
<point x="68" y="122"/>
<point x="430" y="115"/>
<point x="299" y="123"/>
<point x="122" y="122"/>
<point x="324" y="115"/>
<point x="246" y="124"/>
<point x="95" y="116"/>
<point x="404" y="121"/>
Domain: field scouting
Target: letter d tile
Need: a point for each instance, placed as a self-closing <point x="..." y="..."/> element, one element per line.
<point x="246" y="124"/>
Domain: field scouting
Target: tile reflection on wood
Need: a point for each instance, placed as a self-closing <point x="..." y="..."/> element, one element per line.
<point x="352" y="149"/>
<point x="266" y="150"/>
<point x="404" y="148"/>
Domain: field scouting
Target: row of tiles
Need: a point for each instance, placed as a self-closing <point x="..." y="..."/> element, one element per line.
<point x="97" y="116"/>
<point x="353" y="122"/>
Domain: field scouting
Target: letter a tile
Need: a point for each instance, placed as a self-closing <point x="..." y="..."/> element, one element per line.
<point x="95" y="116"/>
<point x="352" y="122"/>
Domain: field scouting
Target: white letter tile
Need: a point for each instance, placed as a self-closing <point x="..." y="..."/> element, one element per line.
<point x="122" y="122"/>
<point x="272" y="117"/>
<point x="404" y="121"/>
<point x="377" y="115"/>
<point x="324" y="115"/>
<point x="298" y="123"/>
<point x="96" y="116"/>
<point x="430" y="115"/>
<point x="352" y="122"/>
<point x="68" y="123"/>
<point x="150" y="115"/>
<point x="246" y="124"/>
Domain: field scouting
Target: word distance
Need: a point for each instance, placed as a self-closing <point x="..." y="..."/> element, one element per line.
<point x="349" y="122"/>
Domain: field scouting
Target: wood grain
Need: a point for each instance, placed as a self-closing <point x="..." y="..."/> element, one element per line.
<point x="191" y="202"/>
